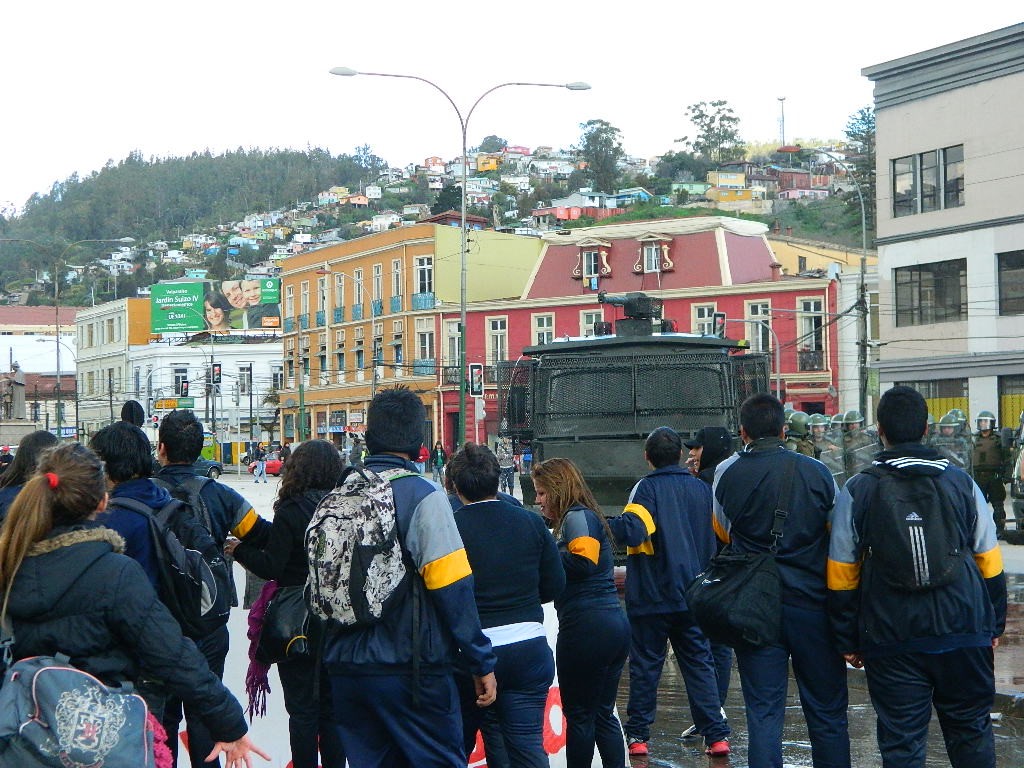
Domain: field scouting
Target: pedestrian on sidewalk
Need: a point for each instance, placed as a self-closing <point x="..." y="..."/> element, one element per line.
<point x="666" y="527"/>
<point x="746" y="495"/>
<point x="261" y="463"/>
<point x="930" y="646"/>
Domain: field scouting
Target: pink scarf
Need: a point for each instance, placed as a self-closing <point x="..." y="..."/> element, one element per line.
<point x="257" y="681"/>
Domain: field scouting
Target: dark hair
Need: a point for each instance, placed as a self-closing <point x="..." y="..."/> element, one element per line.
<point x="902" y="415"/>
<point x="24" y="464"/>
<point x="125" y="451"/>
<point x="218" y="300"/>
<point x="75" y="491"/>
<point x="182" y="436"/>
<point x="663" y="447"/>
<point x="563" y="482"/>
<point x="762" y="415"/>
<point x="133" y="413"/>
<point x="394" y="422"/>
<point x="474" y="472"/>
<point x="314" y="464"/>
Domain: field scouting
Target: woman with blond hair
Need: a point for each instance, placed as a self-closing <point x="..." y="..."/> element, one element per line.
<point x="68" y="589"/>
<point x="593" y="632"/>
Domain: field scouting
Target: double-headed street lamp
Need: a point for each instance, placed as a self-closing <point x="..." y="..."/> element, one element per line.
<point x="56" y="299"/>
<point x="463" y="124"/>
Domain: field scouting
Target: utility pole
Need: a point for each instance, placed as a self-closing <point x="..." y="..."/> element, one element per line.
<point x="110" y="392"/>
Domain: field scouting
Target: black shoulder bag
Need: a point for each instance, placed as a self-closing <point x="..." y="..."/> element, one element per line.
<point x="737" y="600"/>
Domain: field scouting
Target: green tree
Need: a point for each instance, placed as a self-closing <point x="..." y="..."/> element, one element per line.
<point x="601" y="148"/>
<point x="718" y="137"/>
<point x="448" y="199"/>
<point x="683" y="166"/>
<point x="860" y="132"/>
<point x="492" y="144"/>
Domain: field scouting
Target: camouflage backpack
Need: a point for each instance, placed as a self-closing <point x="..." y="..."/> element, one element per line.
<point x="356" y="565"/>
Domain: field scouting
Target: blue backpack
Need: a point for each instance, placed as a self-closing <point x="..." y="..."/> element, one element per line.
<point x="54" y="715"/>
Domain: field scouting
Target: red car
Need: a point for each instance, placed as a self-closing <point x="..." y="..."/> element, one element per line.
<point x="273" y="464"/>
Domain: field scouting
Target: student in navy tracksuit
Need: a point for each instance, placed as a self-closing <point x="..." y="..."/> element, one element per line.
<point x="924" y="648"/>
<point x="516" y="568"/>
<point x="666" y="527"/>
<point x="393" y="690"/>
<point x="746" y="495"/>
<point x="593" y="632"/>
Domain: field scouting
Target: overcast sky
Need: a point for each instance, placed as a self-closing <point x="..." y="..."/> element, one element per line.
<point x="86" y="83"/>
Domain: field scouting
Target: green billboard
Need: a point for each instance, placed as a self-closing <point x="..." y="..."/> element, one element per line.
<point x="231" y="305"/>
<point x="176" y="307"/>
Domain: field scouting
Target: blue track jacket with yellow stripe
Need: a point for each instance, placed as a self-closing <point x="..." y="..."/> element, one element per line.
<point x="873" y="619"/>
<point x="666" y="527"/>
<point x="448" y="620"/>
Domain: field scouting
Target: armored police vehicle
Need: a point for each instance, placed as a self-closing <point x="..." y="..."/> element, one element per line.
<point x="594" y="400"/>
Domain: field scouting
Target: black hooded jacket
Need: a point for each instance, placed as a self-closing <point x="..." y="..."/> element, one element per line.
<point x="75" y="594"/>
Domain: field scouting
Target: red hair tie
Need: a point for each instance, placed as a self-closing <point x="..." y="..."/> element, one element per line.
<point x="52" y="479"/>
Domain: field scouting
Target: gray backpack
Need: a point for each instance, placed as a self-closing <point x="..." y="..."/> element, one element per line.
<point x="356" y="565"/>
<point x="54" y="715"/>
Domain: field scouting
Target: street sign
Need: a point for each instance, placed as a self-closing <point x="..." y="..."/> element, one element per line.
<point x="186" y="402"/>
<point x="170" y="403"/>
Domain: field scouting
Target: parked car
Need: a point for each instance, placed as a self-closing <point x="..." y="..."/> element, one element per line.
<point x="273" y="464"/>
<point x="208" y="468"/>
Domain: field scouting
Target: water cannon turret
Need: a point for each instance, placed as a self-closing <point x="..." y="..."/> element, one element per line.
<point x="639" y="310"/>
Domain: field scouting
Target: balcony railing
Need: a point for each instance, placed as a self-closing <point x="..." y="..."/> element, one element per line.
<point x="424" y="367"/>
<point x="396" y="304"/>
<point x="376" y="307"/>
<point x="423" y="300"/>
<point x="357" y="312"/>
<point x="303" y="321"/>
<point x="321" y="316"/>
<point x="450" y="374"/>
<point x="289" y="324"/>
<point x="810" y="360"/>
<point x="339" y="314"/>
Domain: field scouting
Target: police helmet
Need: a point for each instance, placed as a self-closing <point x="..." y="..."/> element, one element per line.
<point x="852" y="417"/>
<point x="961" y="417"/>
<point x="986" y="416"/>
<point x="798" y="423"/>
<point x="837" y="420"/>
<point x="949" y="421"/>
<point x="817" y="419"/>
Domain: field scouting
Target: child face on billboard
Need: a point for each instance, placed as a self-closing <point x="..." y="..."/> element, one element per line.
<point x="251" y="292"/>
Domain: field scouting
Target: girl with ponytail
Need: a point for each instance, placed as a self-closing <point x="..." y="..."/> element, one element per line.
<point x="68" y="589"/>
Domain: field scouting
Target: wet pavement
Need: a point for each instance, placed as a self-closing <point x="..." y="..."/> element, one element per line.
<point x="667" y="749"/>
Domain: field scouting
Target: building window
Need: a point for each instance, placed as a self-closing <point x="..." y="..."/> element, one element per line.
<point x="931" y="293"/>
<point x="453" y="336"/>
<point x="543" y="329"/>
<point x="759" y="331"/>
<point x="652" y="257"/>
<point x="811" y="343"/>
<point x="180" y="375"/>
<point x="277" y="376"/>
<point x="304" y="298"/>
<point x="289" y="301"/>
<point x="928" y="181"/>
<point x="1011" y="282"/>
<point x="396" y="277"/>
<point x="590" y="264"/>
<point x="357" y="287"/>
<point x="378" y="282"/>
<point x="497" y="339"/>
<point x="321" y="286"/>
<point x="703" y="321"/>
<point x="587" y="320"/>
<point x="339" y="290"/>
<point x="424" y="338"/>
<point x="424" y="274"/>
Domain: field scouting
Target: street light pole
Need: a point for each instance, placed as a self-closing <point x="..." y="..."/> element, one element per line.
<point x="463" y="256"/>
<point x="862" y="291"/>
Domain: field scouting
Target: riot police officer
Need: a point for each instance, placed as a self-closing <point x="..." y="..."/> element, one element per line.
<point x="796" y="434"/>
<point x="859" y="446"/>
<point x="989" y="459"/>
<point x="950" y="444"/>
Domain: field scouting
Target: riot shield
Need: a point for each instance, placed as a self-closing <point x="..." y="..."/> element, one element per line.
<point x="832" y="457"/>
<point x="860" y="448"/>
<point x="955" y="449"/>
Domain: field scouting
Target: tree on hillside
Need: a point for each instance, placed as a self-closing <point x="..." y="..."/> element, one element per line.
<point x="682" y="166"/>
<point x="601" y="149"/>
<point x="718" y="135"/>
<point x="492" y="144"/>
<point x="860" y="131"/>
<point x="448" y="199"/>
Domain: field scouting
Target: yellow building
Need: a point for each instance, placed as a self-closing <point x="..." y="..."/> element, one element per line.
<point x="380" y="311"/>
<point x="727" y="179"/>
<point x="797" y="255"/>
<point x="729" y="195"/>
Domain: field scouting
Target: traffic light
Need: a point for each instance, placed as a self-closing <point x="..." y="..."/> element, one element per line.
<point x="155" y="420"/>
<point x="476" y="379"/>
<point x="215" y="377"/>
<point x="183" y="388"/>
<point x="718" y="324"/>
